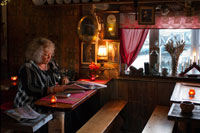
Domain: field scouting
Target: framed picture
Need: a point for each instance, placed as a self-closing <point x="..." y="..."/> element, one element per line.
<point x="88" y="52"/>
<point x="146" y="15"/>
<point x="111" y="25"/>
<point x="113" y="52"/>
<point x="87" y="29"/>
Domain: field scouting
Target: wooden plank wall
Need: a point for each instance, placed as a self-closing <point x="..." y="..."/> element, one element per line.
<point x="58" y="23"/>
<point x="142" y="97"/>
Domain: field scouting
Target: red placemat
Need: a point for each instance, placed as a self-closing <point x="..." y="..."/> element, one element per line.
<point x="70" y="100"/>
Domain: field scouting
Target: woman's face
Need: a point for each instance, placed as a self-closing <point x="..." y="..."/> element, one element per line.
<point x="46" y="57"/>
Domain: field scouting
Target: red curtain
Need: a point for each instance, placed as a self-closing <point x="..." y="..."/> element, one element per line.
<point x="131" y="41"/>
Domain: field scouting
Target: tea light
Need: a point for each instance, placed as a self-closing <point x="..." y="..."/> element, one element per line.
<point x="191" y="93"/>
<point x="13" y="78"/>
<point x="53" y="99"/>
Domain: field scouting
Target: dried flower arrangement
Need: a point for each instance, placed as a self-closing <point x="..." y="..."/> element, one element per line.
<point x="175" y="51"/>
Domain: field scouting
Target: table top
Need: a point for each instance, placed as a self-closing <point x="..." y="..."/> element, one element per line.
<point x="176" y="114"/>
<point x="181" y="90"/>
<point x="58" y="106"/>
<point x="64" y="106"/>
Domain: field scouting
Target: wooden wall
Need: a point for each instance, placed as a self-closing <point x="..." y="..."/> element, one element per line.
<point x="142" y="96"/>
<point x="58" y="23"/>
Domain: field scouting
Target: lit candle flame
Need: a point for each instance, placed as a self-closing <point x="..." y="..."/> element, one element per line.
<point x="53" y="99"/>
<point x="13" y="78"/>
<point x="191" y="93"/>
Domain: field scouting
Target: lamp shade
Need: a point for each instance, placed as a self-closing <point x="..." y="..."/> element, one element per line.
<point x="102" y="51"/>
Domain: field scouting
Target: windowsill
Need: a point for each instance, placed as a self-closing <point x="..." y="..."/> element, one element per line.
<point x="159" y="78"/>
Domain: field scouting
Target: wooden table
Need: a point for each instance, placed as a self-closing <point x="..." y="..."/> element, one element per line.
<point x="181" y="90"/>
<point x="63" y="106"/>
<point x="180" y="94"/>
<point x="67" y="107"/>
<point x="187" y="122"/>
<point x="60" y="108"/>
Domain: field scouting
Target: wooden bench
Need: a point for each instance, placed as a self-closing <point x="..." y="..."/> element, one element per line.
<point x="158" y="122"/>
<point x="103" y="119"/>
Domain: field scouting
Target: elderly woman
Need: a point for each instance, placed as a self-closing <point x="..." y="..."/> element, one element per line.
<point x="39" y="75"/>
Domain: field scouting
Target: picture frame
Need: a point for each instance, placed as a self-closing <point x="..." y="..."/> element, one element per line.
<point x="87" y="29"/>
<point x="88" y="52"/>
<point x="146" y="15"/>
<point x="111" y="26"/>
<point x="113" y="51"/>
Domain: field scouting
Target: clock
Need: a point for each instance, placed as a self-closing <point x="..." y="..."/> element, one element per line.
<point x="111" y="19"/>
<point x="111" y="25"/>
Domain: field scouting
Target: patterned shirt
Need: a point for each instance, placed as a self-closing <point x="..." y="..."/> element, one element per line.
<point x="34" y="82"/>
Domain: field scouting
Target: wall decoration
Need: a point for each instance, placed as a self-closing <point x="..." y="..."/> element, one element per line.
<point x="146" y="15"/>
<point x="87" y="29"/>
<point x="88" y="52"/>
<point x="111" y="21"/>
<point x="113" y="52"/>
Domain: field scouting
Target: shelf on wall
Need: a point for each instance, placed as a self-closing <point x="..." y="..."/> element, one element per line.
<point x="110" y="2"/>
<point x="88" y="3"/>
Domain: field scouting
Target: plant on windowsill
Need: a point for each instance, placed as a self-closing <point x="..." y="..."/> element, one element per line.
<point x="94" y="70"/>
<point x="175" y="51"/>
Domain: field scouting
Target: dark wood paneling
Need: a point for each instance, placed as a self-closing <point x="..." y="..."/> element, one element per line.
<point x="59" y="24"/>
<point x="142" y="97"/>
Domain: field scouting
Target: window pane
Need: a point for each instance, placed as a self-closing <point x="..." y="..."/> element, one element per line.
<point x="143" y="56"/>
<point x="175" y="34"/>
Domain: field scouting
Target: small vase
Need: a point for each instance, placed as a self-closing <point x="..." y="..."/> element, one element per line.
<point x="174" y="65"/>
<point x="93" y="77"/>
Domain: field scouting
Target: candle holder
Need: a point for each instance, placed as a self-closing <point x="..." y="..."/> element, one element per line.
<point x="194" y="65"/>
<point x="191" y="93"/>
<point x="53" y="99"/>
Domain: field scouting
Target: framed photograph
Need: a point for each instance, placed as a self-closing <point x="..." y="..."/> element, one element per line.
<point x="146" y="15"/>
<point x="111" y="25"/>
<point x="88" y="52"/>
<point x="113" y="52"/>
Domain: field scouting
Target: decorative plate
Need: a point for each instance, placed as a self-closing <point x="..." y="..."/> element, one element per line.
<point x="50" y="2"/>
<point x="67" y="1"/>
<point x="59" y="1"/>
<point x="39" y="2"/>
<point x="76" y="1"/>
<point x="85" y="1"/>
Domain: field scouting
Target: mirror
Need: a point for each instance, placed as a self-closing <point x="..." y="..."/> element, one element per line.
<point x="87" y="29"/>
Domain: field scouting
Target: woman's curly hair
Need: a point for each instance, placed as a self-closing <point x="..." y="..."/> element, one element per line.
<point x="36" y="48"/>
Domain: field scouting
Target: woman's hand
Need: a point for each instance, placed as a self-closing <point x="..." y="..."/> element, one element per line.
<point x="65" y="80"/>
<point x="59" y="88"/>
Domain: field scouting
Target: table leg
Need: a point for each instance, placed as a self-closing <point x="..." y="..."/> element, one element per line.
<point x="57" y="124"/>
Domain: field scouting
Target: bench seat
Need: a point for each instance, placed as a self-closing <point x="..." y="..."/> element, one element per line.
<point x="158" y="122"/>
<point x="101" y="121"/>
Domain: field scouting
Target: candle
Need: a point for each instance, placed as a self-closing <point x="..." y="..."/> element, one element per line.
<point x="13" y="78"/>
<point x="191" y="93"/>
<point x="53" y="99"/>
<point x="182" y="68"/>
<point x="194" y="58"/>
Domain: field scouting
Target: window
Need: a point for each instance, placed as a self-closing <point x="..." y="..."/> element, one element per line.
<point x="175" y="34"/>
<point x="143" y="56"/>
<point x="191" y="50"/>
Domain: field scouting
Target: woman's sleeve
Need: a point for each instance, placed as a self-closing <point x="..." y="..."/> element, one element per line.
<point x="56" y="70"/>
<point x="31" y="82"/>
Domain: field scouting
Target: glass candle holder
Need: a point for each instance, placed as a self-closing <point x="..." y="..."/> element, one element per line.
<point x="191" y="93"/>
